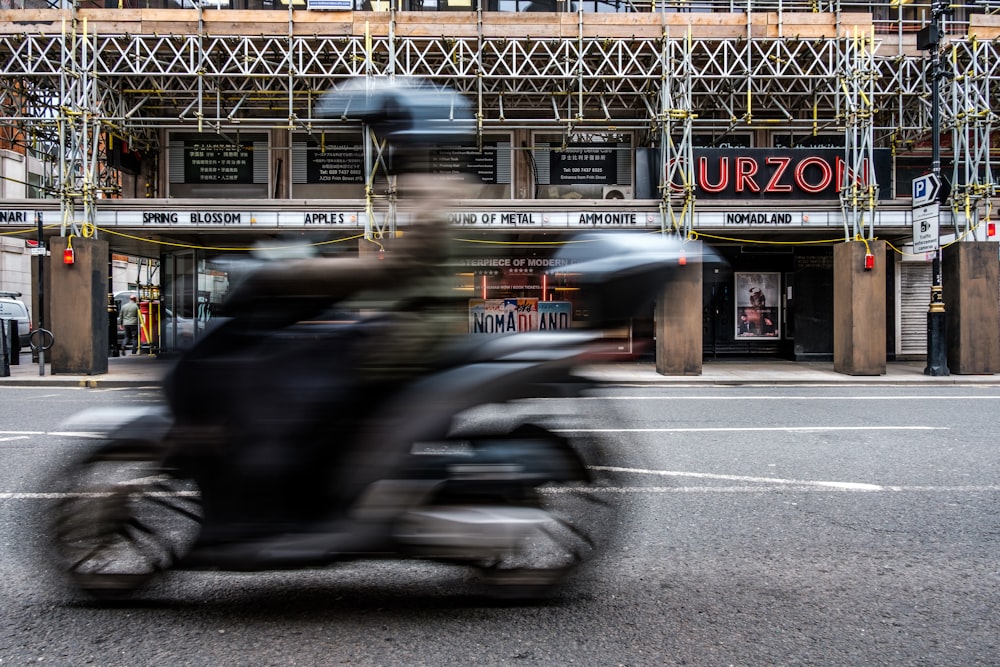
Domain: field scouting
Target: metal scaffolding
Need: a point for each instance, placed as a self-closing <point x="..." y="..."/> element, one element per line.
<point x="106" y="76"/>
<point x="975" y="70"/>
<point x="675" y="121"/>
<point x="859" y="186"/>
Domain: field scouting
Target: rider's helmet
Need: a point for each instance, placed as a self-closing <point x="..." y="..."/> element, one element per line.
<point x="406" y="111"/>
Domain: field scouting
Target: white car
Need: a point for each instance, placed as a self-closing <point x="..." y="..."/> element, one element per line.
<point x="12" y="308"/>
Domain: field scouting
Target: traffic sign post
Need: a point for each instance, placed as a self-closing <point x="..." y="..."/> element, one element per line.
<point x="926" y="228"/>
<point x="927" y="190"/>
<point x="40" y="315"/>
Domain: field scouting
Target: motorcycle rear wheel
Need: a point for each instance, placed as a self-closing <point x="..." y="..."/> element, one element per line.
<point x="121" y="519"/>
<point x="583" y="521"/>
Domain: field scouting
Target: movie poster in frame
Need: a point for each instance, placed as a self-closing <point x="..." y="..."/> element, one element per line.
<point x="758" y="305"/>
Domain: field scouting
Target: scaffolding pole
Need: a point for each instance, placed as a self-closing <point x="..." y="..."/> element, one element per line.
<point x="859" y="186"/>
<point x="675" y="119"/>
<point x="973" y="184"/>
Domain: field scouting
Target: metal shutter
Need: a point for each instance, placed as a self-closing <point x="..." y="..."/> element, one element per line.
<point x="914" y="298"/>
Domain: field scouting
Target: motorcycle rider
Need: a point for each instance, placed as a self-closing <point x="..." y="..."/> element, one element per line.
<point x="285" y="445"/>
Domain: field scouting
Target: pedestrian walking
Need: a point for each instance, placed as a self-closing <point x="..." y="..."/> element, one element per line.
<point x="128" y="318"/>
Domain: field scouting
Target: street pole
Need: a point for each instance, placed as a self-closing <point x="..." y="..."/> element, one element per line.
<point x="937" y="352"/>
<point x="40" y="315"/>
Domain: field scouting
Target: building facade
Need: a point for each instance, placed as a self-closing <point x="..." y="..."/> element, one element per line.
<point x="771" y="131"/>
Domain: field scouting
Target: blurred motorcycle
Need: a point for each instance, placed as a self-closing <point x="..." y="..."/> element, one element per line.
<point x="455" y="465"/>
<point x="295" y="434"/>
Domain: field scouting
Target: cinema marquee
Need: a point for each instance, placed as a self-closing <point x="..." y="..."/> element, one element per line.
<point x="780" y="173"/>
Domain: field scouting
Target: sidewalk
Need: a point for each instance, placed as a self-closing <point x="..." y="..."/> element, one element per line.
<point x="147" y="371"/>
<point x="781" y="372"/>
<point x="130" y="371"/>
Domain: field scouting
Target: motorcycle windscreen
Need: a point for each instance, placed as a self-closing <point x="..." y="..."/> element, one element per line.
<point x="620" y="275"/>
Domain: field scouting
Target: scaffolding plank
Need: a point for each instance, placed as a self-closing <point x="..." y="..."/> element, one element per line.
<point x="812" y="26"/>
<point x="443" y="24"/>
<point x="452" y="24"/>
<point x="33" y="21"/>
<point x="984" y="26"/>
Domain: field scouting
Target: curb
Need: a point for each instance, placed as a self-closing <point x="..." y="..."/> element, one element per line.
<point x="77" y="383"/>
<point x="686" y="382"/>
<point x="150" y="377"/>
<point x="847" y="382"/>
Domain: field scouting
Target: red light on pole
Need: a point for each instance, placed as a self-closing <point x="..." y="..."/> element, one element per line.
<point x="68" y="256"/>
<point x="869" y="262"/>
<point x="991" y="229"/>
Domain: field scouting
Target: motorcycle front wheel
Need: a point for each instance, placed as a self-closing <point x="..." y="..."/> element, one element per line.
<point x="121" y="519"/>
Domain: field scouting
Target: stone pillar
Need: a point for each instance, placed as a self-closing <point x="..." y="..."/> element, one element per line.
<point x="78" y="308"/>
<point x="970" y="279"/>
<point x="859" y="309"/>
<point x="679" y="319"/>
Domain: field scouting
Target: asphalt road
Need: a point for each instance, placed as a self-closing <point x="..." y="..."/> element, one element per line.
<point x="763" y="526"/>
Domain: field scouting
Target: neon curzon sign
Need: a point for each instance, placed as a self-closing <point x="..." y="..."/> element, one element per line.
<point x="777" y="173"/>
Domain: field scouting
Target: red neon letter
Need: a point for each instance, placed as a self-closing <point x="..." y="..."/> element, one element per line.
<point x="782" y="164"/>
<point x="813" y="188"/>
<point x="670" y="183"/>
<point x="859" y="178"/>
<point x="746" y="167"/>
<point x="723" y="182"/>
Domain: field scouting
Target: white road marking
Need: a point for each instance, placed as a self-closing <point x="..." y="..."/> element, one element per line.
<point x="752" y="484"/>
<point x="95" y="494"/>
<point x="15" y="437"/>
<point x="851" y="486"/>
<point x="790" y="485"/>
<point x="638" y="490"/>
<point x="714" y="429"/>
<point x="740" y="397"/>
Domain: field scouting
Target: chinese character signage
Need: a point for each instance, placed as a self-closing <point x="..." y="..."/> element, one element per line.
<point x="758" y="305"/>
<point x="584" y="164"/>
<point x="218" y="161"/>
<point x="337" y="161"/>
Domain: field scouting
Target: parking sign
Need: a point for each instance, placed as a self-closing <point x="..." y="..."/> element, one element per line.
<point x="925" y="190"/>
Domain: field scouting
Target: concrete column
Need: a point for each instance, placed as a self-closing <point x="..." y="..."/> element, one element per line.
<point x="970" y="279"/>
<point x="78" y="308"/>
<point x="679" y="319"/>
<point x="859" y="309"/>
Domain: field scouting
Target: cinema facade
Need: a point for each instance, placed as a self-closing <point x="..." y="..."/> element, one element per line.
<point x="772" y="214"/>
<point x="771" y="135"/>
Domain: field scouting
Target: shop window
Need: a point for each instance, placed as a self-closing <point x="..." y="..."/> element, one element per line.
<point x="332" y="166"/>
<point x="485" y="165"/>
<point x="329" y="165"/>
<point x="588" y="166"/>
<point x="38" y="188"/>
<point x="808" y="140"/>
<point x="907" y="170"/>
<point x="213" y="166"/>
<point x="727" y="140"/>
<point x="688" y="6"/>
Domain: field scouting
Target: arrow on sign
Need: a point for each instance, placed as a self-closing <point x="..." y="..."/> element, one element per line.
<point x="926" y="189"/>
